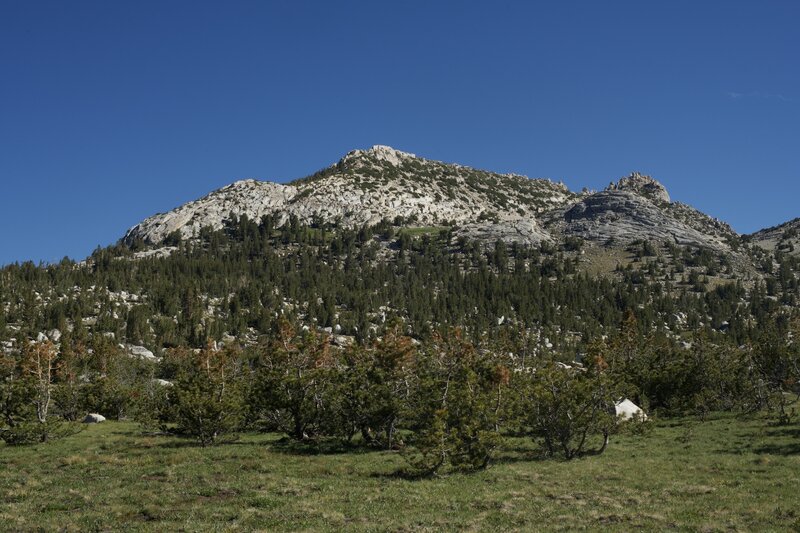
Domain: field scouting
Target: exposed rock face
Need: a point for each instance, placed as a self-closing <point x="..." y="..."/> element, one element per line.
<point x="366" y="186"/>
<point x="623" y="216"/>
<point x="643" y="186"/>
<point x="522" y="230"/>
<point x="369" y="185"/>
<point x="713" y="228"/>
<point x="785" y="237"/>
<point x="247" y="197"/>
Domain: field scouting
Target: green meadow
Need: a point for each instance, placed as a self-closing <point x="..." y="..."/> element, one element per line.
<point x="726" y="473"/>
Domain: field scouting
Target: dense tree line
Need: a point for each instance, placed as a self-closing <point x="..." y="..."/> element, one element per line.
<point x="357" y="280"/>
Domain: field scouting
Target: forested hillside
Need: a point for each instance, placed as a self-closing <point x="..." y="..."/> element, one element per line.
<point x="235" y="282"/>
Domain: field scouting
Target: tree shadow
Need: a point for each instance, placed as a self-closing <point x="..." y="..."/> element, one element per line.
<point x="291" y="446"/>
<point x="772" y="432"/>
<point x="788" y="448"/>
<point x="779" y="449"/>
<point x="406" y="474"/>
<point x="784" y="431"/>
<point x="520" y="455"/>
<point x="178" y="441"/>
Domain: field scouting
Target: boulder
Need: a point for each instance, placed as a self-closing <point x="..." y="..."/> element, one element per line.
<point x="94" y="418"/>
<point x="626" y="409"/>
<point x="139" y="351"/>
<point x="343" y="340"/>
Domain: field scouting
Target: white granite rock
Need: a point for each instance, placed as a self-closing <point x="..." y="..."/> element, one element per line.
<point x="626" y="410"/>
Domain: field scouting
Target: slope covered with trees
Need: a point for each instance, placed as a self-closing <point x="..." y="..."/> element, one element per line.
<point x="400" y="337"/>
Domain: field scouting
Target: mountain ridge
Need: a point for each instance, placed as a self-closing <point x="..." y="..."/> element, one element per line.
<point x="369" y="185"/>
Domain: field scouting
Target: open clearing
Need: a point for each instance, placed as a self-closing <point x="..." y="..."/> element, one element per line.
<point x="723" y="474"/>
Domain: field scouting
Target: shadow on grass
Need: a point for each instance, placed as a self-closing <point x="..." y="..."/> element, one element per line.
<point x="407" y="474"/>
<point x="783" y="448"/>
<point x="521" y="455"/>
<point x="779" y="449"/>
<point x="784" y="431"/>
<point x="746" y="444"/>
<point x="290" y="446"/>
<point x="178" y="441"/>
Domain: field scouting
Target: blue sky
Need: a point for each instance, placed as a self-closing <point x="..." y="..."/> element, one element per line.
<point x="112" y="111"/>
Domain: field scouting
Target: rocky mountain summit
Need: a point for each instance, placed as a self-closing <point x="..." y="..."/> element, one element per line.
<point x="367" y="186"/>
<point x="643" y="186"/>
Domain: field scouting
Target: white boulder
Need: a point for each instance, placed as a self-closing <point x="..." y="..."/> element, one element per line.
<point x="626" y="409"/>
<point x="94" y="418"/>
<point x="139" y="351"/>
<point x="343" y="340"/>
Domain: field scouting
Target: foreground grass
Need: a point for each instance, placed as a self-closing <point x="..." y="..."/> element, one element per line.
<point x="725" y="473"/>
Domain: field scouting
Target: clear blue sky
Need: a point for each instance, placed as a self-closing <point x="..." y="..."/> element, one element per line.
<point x="113" y="111"/>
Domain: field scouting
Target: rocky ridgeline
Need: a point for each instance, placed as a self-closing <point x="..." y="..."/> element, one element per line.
<point x="785" y="237"/>
<point x="366" y="186"/>
<point x="369" y="185"/>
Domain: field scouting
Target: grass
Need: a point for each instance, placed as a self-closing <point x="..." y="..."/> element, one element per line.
<point x="422" y="230"/>
<point x="722" y="474"/>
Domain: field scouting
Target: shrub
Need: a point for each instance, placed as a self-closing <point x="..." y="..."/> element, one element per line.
<point x="293" y="389"/>
<point x="567" y="408"/>
<point x="456" y="407"/>
<point x="26" y="392"/>
<point x="208" y="395"/>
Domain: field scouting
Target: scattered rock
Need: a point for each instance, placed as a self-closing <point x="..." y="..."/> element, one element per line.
<point x="94" y="418"/>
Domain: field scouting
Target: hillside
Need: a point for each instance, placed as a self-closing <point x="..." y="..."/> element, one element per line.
<point x="385" y="235"/>
<point x="783" y="238"/>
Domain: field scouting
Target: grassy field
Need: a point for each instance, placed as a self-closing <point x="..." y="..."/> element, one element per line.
<point x="723" y="474"/>
<point x="422" y="230"/>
